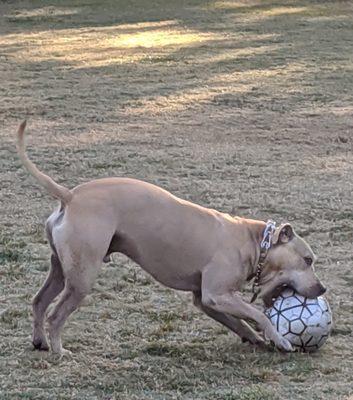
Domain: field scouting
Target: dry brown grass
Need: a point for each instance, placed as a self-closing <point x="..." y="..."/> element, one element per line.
<point x="244" y="106"/>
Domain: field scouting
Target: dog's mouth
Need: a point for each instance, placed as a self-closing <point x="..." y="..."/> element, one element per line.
<point x="270" y="297"/>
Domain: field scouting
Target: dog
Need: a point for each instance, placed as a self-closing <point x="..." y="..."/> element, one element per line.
<point x="182" y="245"/>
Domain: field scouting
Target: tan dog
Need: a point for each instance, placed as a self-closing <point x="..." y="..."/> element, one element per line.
<point x="182" y="245"/>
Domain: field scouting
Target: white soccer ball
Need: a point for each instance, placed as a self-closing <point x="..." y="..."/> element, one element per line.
<point x="305" y="322"/>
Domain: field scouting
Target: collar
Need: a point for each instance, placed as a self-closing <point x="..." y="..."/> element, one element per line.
<point x="265" y="245"/>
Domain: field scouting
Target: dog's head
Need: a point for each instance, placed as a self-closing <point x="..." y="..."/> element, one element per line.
<point x="289" y="262"/>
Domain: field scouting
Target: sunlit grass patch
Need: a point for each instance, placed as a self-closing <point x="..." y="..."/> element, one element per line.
<point x="234" y="5"/>
<point x="158" y="38"/>
<point x="261" y="10"/>
<point x="47" y="14"/>
<point x="101" y="46"/>
<point x="276" y="11"/>
<point x="257" y="8"/>
<point x="216" y="88"/>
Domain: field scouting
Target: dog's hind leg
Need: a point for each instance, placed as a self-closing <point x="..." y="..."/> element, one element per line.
<point x="78" y="283"/>
<point x="238" y="326"/>
<point x="82" y="241"/>
<point x="52" y="286"/>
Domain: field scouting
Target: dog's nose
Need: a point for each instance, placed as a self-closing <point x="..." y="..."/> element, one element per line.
<point x="322" y="290"/>
<point x="317" y="290"/>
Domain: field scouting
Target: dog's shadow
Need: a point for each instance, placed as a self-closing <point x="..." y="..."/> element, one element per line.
<point x="224" y="352"/>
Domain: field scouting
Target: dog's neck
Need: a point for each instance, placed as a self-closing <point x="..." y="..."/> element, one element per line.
<point x="262" y="234"/>
<point x="256" y="229"/>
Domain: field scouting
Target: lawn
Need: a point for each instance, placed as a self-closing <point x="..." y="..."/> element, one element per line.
<point x="242" y="106"/>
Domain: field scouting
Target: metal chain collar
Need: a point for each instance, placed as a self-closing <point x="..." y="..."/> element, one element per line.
<point x="264" y="247"/>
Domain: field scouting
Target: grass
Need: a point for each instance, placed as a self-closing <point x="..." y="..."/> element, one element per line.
<point x="243" y="106"/>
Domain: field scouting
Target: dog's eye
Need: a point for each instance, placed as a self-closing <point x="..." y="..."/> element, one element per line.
<point x="308" y="261"/>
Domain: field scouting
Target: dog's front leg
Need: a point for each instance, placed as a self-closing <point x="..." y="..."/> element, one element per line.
<point x="217" y="293"/>
<point x="238" y="326"/>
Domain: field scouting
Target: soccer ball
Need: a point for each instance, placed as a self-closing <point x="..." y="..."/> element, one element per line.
<point x="305" y="322"/>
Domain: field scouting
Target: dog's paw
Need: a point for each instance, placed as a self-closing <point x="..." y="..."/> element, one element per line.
<point x="284" y="345"/>
<point x="40" y="344"/>
<point x="64" y="353"/>
<point x="255" y="340"/>
<point x="278" y="340"/>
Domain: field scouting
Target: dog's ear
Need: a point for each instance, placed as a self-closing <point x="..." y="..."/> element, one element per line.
<point x="283" y="234"/>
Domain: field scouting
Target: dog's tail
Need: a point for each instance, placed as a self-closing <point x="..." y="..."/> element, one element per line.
<point x="56" y="190"/>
